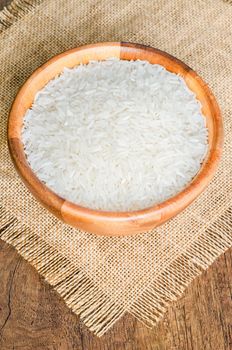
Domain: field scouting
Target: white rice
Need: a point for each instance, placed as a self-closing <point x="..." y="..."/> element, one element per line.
<point x="115" y="135"/>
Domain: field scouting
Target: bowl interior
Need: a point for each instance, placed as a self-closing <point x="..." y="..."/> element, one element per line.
<point x="101" y="52"/>
<point x="70" y="212"/>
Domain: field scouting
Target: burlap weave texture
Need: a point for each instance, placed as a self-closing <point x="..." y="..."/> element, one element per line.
<point x="100" y="277"/>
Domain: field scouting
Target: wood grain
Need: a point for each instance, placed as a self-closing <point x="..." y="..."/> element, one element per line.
<point x="4" y="3"/>
<point x="103" y="222"/>
<point x="34" y="317"/>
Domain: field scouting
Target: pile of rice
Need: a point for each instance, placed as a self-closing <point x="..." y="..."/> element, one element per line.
<point x="115" y="135"/>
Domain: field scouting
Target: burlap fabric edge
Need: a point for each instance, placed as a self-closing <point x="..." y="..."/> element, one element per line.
<point x="16" y="10"/>
<point x="79" y="293"/>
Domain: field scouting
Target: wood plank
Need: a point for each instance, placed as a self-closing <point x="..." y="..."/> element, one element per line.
<point x="33" y="316"/>
<point x="4" y="3"/>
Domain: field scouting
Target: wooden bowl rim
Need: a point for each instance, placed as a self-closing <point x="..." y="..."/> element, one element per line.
<point x="55" y="202"/>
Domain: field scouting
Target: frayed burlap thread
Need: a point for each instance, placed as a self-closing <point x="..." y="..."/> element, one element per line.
<point x="101" y="278"/>
<point x="16" y="10"/>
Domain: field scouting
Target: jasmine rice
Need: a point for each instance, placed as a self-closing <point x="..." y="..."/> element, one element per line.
<point x="115" y="135"/>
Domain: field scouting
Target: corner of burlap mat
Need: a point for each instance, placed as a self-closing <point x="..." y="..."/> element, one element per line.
<point x="16" y="10"/>
<point x="98" y="310"/>
<point x="101" y="278"/>
<point x="72" y="284"/>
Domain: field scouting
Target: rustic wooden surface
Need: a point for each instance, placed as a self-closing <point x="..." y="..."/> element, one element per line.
<point x="33" y="317"/>
<point x="4" y="3"/>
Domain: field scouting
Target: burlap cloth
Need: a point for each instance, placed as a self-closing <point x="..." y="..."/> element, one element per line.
<point x="102" y="278"/>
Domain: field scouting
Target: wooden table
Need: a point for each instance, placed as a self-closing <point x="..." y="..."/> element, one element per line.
<point x="34" y="317"/>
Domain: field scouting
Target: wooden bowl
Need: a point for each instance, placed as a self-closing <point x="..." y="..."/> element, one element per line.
<point x="103" y="222"/>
